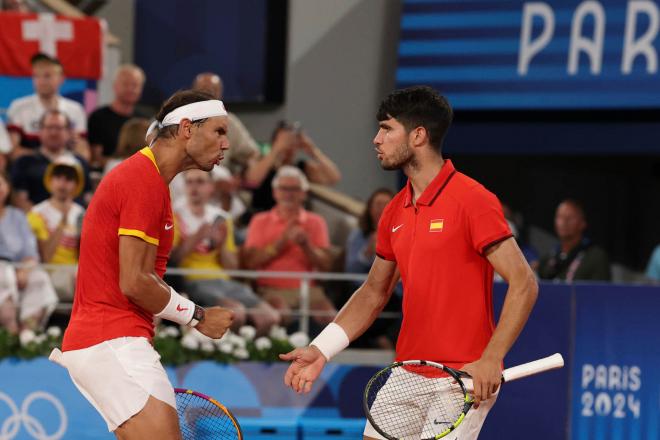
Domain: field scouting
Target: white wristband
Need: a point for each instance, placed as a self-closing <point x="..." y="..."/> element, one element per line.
<point x="178" y="309"/>
<point x="331" y="340"/>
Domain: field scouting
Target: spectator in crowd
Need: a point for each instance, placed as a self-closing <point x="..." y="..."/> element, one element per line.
<point x="27" y="296"/>
<point x="653" y="267"/>
<point x="131" y="140"/>
<point x="361" y="243"/>
<point x="360" y="255"/>
<point x="576" y="258"/>
<point x="243" y="148"/>
<point x="57" y="222"/>
<point x="289" y="238"/>
<point x="207" y="242"/>
<point x="287" y="141"/>
<point x="28" y="171"/>
<point x="105" y="123"/>
<point x="244" y="158"/>
<point x="225" y="193"/>
<point x="15" y="6"/>
<point x="25" y="113"/>
<point x="516" y="224"/>
<point x="5" y="147"/>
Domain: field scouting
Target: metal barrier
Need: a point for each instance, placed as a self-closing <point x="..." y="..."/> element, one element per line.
<point x="304" y="312"/>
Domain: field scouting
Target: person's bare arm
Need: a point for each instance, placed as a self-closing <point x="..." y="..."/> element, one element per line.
<point x="137" y="276"/>
<point x="259" y="167"/>
<point x="508" y="261"/>
<point x="140" y="283"/>
<point x="320" y="258"/>
<point x="48" y="247"/>
<point x="321" y="169"/>
<point x="354" y="318"/>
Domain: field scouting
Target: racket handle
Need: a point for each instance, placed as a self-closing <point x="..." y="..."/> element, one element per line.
<point x="534" y="367"/>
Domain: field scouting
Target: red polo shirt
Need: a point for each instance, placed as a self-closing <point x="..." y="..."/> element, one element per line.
<point x="439" y="246"/>
<point x="131" y="200"/>
<point x="266" y="228"/>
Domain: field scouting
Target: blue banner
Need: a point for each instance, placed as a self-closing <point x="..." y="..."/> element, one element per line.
<point x="505" y="54"/>
<point x="616" y="370"/>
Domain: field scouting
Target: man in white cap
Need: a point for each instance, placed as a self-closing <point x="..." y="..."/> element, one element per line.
<point x="226" y="192"/>
<point x="126" y="240"/>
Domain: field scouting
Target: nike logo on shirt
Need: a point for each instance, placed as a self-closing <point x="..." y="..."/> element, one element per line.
<point x="396" y="228"/>
<point x="168" y="227"/>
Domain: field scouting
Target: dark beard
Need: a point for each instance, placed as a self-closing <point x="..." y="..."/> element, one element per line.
<point x="402" y="157"/>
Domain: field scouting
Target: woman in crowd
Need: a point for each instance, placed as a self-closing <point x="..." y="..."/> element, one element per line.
<point x="360" y="254"/>
<point x="27" y="296"/>
<point x="131" y="140"/>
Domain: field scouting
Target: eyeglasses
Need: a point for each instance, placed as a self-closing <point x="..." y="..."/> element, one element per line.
<point x="55" y="127"/>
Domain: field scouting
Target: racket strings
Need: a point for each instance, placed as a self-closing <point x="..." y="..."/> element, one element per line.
<point x="409" y="403"/>
<point x="202" y="419"/>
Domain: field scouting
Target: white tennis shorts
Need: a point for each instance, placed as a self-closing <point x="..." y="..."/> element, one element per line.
<point x="117" y="377"/>
<point x="413" y="407"/>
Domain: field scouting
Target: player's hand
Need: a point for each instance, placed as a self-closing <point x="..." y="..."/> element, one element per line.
<point x="216" y="321"/>
<point x="305" y="368"/>
<point x="486" y="378"/>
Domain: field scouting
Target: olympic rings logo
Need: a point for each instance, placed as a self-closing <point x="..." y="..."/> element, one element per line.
<point x="10" y="427"/>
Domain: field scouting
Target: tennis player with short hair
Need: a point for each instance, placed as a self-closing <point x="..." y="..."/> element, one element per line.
<point x="444" y="233"/>
<point x="126" y="240"/>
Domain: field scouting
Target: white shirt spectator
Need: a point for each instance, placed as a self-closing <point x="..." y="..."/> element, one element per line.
<point x="24" y="115"/>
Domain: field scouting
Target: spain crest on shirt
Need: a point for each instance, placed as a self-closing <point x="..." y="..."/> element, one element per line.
<point x="436" y="225"/>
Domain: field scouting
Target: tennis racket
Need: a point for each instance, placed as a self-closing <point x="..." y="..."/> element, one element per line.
<point x="427" y="400"/>
<point x="202" y="417"/>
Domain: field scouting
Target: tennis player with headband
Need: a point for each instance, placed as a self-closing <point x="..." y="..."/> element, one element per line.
<point x="444" y="233"/>
<point x="126" y="239"/>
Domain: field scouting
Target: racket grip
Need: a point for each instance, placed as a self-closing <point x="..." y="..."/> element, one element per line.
<point x="534" y="367"/>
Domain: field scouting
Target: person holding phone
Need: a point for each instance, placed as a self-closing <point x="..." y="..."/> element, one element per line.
<point x="204" y="239"/>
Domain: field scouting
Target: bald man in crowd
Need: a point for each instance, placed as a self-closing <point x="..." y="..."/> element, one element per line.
<point x="576" y="258"/>
<point x="106" y="122"/>
<point x="244" y="148"/>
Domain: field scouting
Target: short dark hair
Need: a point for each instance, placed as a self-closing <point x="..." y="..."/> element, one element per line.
<point x="366" y="223"/>
<point x="66" y="171"/>
<point x="419" y="106"/>
<point x="55" y="111"/>
<point x="578" y="205"/>
<point x="179" y="99"/>
<point x="41" y="57"/>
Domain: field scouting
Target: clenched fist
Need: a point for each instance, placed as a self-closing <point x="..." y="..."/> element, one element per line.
<point x="216" y="322"/>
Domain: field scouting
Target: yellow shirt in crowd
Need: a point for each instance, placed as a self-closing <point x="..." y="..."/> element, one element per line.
<point x="206" y="254"/>
<point x="44" y="219"/>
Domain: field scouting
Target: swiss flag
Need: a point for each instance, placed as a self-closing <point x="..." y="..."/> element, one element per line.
<point x="76" y="42"/>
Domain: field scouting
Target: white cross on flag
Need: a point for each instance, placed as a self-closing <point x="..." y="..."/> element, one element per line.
<point x="76" y="42"/>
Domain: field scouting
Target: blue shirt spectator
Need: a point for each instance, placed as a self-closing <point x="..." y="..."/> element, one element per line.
<point x="16" y="239"/>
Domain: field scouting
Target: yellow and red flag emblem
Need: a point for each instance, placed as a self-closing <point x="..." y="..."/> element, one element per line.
<point x="436" y="225"/>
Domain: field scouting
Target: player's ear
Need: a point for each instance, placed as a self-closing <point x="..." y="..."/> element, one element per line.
<point x="418" y="136"/>
<point x="185" y="129"/>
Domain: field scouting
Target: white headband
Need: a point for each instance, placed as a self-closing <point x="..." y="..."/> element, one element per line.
<point x="192" y="112"/>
